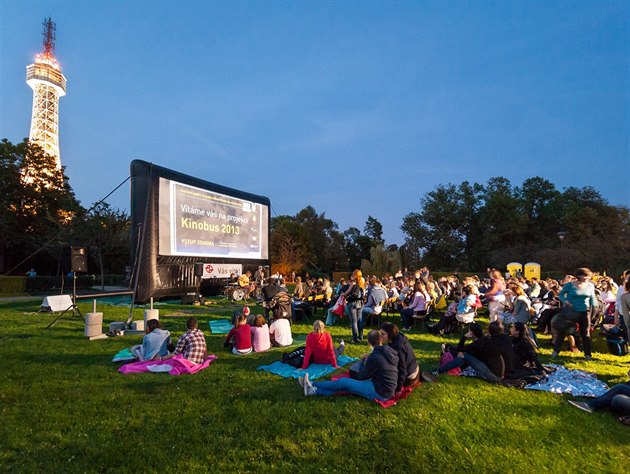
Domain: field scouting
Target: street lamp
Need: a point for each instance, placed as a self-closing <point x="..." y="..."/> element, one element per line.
<point x="561" y="235"/>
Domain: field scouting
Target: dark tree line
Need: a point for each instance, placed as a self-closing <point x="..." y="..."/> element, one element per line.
<point x="473" y="226"/>
<point x="466" y="227"/>
<point x="41" y="218"/>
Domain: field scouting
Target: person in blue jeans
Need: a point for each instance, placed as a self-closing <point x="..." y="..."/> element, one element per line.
<point x="377" y="378"/>
<point x="617" y="398"/>
<point x="483" y="355"/>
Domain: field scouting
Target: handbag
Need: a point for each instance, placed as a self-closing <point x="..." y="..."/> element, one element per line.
<point x="339" y="307"/>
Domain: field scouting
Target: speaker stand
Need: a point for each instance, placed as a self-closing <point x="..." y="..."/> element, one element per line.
<point x="73" y="307"/>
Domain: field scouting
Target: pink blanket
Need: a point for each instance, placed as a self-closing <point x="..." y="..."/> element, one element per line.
<point x="174" y="366"/>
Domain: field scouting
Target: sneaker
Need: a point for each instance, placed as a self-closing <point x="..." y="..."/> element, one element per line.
<point x="581" y="405"/>
<point x="588" y="357"/>
<point x="342" y="347"/>
<point x="429" y="376"/>
<point x="554" y="354"/>
<point x="310" y="391"/>
<point x="301" y="381"/>
<point x="306" y="384"/>
<point x="443" y="348"/>
<point x="435" y="373"/>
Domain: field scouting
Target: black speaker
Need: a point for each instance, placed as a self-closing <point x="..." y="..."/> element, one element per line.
<point x="199" y="269"/>
<point x="78" y="259"/>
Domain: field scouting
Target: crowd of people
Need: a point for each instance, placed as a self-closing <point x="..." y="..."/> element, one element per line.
<point x="571" y="308"/>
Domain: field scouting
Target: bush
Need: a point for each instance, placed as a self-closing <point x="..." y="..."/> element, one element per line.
<point x="12" y="284"/>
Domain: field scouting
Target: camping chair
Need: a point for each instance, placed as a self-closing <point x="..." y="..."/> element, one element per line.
<point x="424" y="315"/>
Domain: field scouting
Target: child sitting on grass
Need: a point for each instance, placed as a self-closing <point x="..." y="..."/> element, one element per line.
<point x="260" y="334"/>
<point x="239" y="339"/>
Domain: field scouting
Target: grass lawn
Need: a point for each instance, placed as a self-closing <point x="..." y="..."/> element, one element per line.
<point x="64" y="408"/>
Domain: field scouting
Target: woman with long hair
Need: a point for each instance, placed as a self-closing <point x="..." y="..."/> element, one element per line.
<point x="524" y="347"/>
<point x="354" y="297"/>
<point x="418" y="305"/>
<point x="494" y="295"/>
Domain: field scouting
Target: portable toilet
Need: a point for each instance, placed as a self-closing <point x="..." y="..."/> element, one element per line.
<point x="532" y="270"/>
<point x="514" y="268"/>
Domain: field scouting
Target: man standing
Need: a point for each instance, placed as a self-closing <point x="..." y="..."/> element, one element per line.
<point x="269" y="291"/>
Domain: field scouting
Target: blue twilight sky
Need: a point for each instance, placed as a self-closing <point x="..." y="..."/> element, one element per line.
<point x="356" y="108"/>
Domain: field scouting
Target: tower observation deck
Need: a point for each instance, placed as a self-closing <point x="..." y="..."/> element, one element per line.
<point x="48" y="84"/>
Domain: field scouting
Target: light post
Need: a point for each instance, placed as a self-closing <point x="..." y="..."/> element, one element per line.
<point x="561" y="235"/>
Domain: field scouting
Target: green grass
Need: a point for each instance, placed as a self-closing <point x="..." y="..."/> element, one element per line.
<point x="65" y="408"/>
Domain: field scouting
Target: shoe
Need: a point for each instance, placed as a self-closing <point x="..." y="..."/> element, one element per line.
<point x="429" y="377"/>
<point x="588" y="357"/>
<point x="435" y="373"/>
<point x="581" y="405"/>
<point x="342" y="347"/>
<point x="443" y="348"/>
<point x="301" y="381"/>
<point x="306" y="384"/>
<point x="310" y="391"/>
<point x="554" y="354"/>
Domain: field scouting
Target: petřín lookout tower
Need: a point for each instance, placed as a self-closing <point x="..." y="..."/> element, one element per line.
<point x="48" y="84"/>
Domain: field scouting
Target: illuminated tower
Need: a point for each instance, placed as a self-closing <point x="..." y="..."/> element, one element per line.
<point x="48" y="84"/>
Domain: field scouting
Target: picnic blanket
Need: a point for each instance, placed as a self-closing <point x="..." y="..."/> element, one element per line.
<point x="124" y="356"/>
<point x="575" y="382"/>
<point x="404" y="393"/>
<point x="220" y="326"/>
<point x="177" y="365"/>
<point x="314" y="371"/>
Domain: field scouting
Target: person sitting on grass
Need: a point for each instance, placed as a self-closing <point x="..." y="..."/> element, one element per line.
<point x="239" y="339"/>
<point x="154" y="344"/>
<point x="191" y="344"/>
<point x="524" y="348"/>
<point x="617" y="398"/>
<point x="280" y="333"/>
<point x="260" y="334"/>
<point x="482" y="355"/>
<point x="408" y="371"/>
<point x="376" y="380"/>
<point x="319" y="347"/>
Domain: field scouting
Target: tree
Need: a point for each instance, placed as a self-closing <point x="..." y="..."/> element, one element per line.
<point x="374" y="230"/>
<point x="38" y="204"/>
<point x="106" y="233"/>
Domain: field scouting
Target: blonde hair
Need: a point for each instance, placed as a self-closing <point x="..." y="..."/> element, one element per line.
<point x="359" y="278"/>
<point x="318" y="326"/>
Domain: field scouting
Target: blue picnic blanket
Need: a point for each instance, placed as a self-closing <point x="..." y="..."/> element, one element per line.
<point x="220" y="326"/>
<point x="575" y="382"/>
<point x="314" y="371"/>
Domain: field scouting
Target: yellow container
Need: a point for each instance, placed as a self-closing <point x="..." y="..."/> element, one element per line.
<point x="514" y="267"/>
<point x="532" y="270"/>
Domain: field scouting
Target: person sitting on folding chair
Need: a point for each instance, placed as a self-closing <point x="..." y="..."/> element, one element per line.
<point x="374" y="305"/>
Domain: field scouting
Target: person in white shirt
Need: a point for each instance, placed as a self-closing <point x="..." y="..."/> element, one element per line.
<point x="280" y="333"/>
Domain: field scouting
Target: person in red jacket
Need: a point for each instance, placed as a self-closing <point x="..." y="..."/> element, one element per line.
<point x="319" y="347"/>
<point x="239" y="339"/>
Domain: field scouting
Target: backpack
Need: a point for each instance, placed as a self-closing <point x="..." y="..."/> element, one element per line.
<point x="294" y="358"/>
<point x="617" y="344"/>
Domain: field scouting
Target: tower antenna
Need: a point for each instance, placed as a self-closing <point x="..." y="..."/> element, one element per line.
<point x="49" y="37"/>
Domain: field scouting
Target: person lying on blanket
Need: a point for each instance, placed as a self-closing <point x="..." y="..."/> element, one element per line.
<point x="319" y="347"/>
<point x="377" y="379"/>
<point x="154" y="344"/>
<point x="617" y="398"/>
<point x="191" y="344"/>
